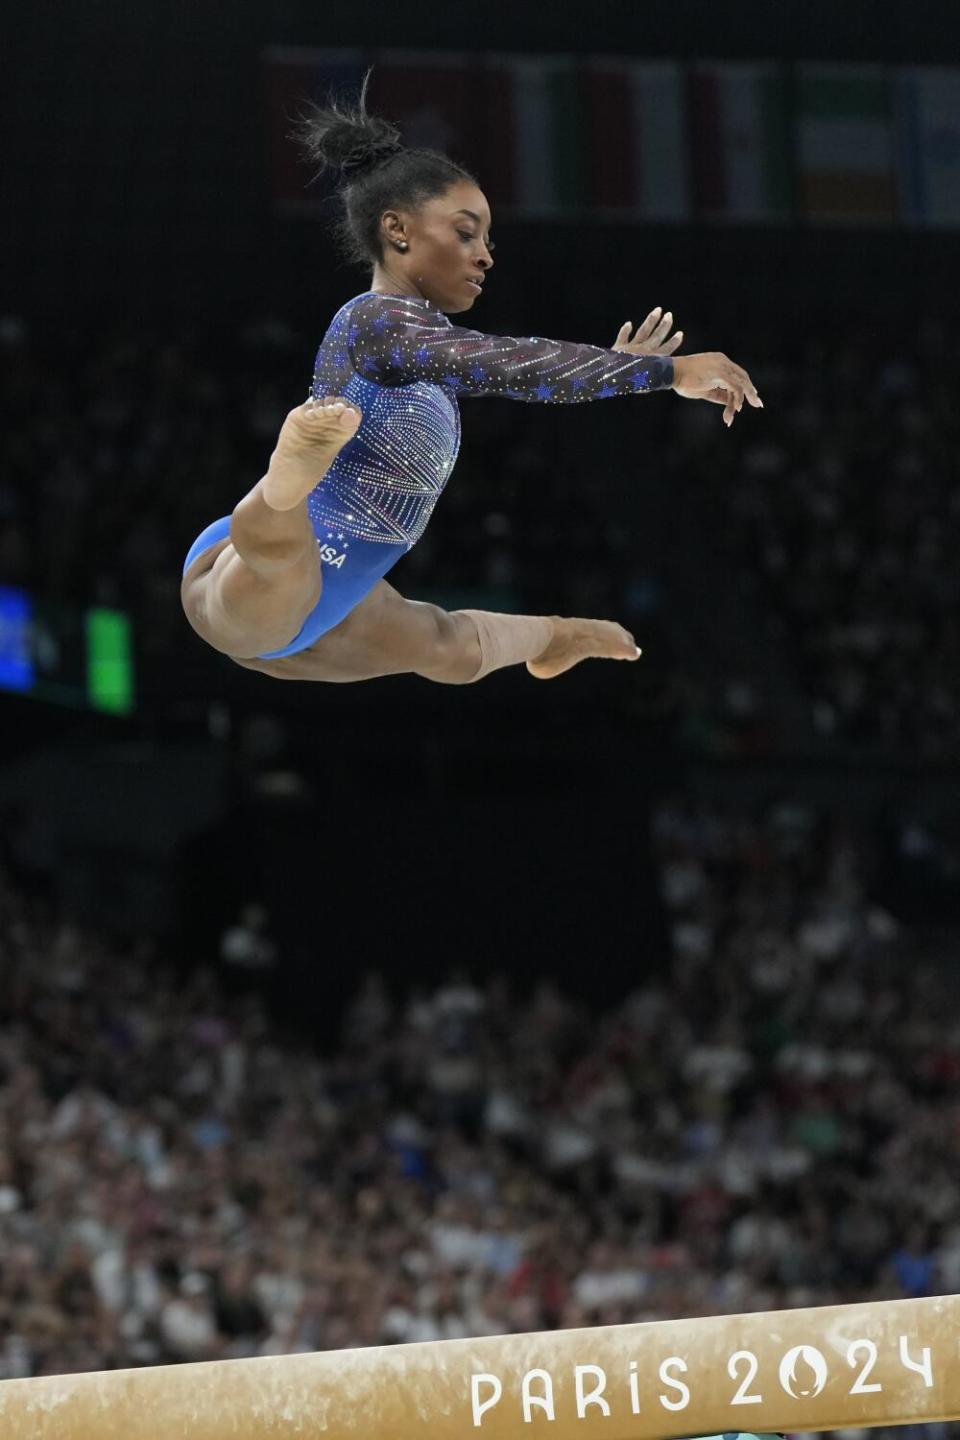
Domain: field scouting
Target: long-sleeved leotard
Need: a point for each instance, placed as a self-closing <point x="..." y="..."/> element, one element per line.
<point x="403" y="364"/>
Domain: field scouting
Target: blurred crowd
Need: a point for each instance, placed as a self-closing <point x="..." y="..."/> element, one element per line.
<point x="768" y="1118"/>
<point x="836" y="507"/>
<point x="849" y="510"/>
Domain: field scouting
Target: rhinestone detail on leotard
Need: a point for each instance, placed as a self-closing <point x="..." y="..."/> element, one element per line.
<point x="403" y="363"/>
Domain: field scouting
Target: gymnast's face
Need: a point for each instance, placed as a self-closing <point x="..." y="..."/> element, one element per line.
<point x="441" y="251"/>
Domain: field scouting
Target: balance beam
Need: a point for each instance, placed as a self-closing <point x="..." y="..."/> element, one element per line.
<point x="882" y="1363"/>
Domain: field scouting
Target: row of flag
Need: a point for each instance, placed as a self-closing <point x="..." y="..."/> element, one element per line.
<point x="554" y="135"/>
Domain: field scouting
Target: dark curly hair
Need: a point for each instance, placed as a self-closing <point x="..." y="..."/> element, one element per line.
<point x="377" y="172"/>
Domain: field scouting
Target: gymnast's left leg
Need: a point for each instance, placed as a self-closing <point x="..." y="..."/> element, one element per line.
<point x="389" y="635"/>
<point x="547" y="645"/>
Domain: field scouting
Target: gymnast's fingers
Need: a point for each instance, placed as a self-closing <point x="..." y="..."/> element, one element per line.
<point x="663" y="329"/>
<point x="747" y="388"/>
<point x="645" y="330"/>
<point x="750" y="392"/>
<point x="734" y="399"/>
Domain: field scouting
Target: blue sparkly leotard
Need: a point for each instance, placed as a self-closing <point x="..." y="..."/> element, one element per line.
<point x="403" y="364"/>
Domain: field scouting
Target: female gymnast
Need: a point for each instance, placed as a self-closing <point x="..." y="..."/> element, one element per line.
<point x="292" y="583"/>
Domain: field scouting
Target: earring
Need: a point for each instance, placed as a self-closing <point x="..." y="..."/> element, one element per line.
<point x="401" y="245"/>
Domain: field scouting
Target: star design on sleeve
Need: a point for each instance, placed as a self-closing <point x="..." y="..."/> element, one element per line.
<point x="544" y="391"/>
<point x="606" y="391"/>
<point x="641" y="380"/>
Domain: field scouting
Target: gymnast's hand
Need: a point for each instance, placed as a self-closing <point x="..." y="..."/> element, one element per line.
<point x="713" y="377"/>
<point x="651" y="336"/>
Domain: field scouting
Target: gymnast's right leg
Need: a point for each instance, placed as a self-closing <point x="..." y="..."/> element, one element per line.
<point x="251" y="594"/>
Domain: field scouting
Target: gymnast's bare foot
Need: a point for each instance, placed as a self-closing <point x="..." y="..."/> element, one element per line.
<point x="576" y="640"/>
<point x="309" y="439"/>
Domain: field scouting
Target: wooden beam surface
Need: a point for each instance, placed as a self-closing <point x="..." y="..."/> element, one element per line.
<point x="887" y="1362"/>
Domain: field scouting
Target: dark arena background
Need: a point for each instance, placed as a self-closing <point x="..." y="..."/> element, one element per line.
<point x="344" y="1015"/>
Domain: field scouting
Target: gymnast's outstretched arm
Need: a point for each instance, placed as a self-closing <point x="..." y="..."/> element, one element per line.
<point x="396" y="339"/>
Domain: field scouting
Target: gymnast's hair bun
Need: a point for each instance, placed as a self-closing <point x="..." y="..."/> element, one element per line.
<point x="344" y="137"/>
